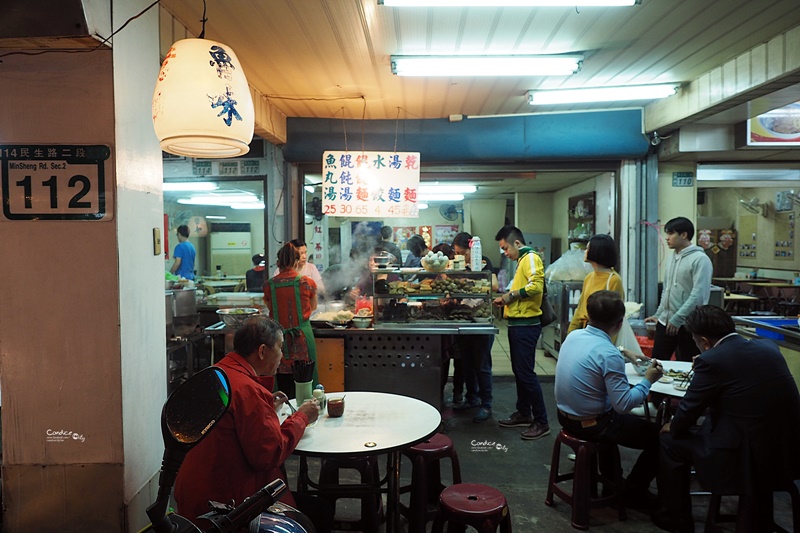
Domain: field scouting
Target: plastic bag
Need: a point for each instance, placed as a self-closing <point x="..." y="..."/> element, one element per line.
<point x="627" y="339"/>
<point x="568" y="267"/>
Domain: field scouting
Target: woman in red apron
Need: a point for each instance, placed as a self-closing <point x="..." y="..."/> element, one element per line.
<point x="291" y="298"/>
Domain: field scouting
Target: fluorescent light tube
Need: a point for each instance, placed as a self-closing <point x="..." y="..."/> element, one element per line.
<point x="422" y="205"/>
<point x="219" y="199"/>
<point x="429" y="197"/>
<point x="517" y="65"/>
<point x="249" y="205"/>
<point x="216" y="217"/>
<point x="190" y="186"/>
<point x="309" y="189"/>
<point x="506" y="3"/>
<point x="444" y="189"/>
<point x="602" y="94"/>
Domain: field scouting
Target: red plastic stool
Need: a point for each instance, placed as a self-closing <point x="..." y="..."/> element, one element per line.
<point x="475" y="505"/>
<point x="371" y="501"/>
<point x="584" y="478"/>
<point x="754" y="512"/>
<point x="426" y="484"/>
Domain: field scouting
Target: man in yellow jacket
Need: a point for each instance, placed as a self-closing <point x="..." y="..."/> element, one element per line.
<point x="522" y="309"/>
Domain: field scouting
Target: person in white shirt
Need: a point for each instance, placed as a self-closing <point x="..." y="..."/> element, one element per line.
<point x="304" y="268"/>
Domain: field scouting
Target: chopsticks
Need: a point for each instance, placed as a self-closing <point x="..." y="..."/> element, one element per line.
<point x="684" y="382"/>
<point x="302" y="371"/>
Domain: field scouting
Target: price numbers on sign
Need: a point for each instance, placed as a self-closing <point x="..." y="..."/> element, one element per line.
<point x="55" y="182"/>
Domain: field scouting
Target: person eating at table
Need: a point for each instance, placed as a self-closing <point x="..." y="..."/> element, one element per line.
<point x="249" y="444"/>
<point x="594" y="396"/>
<point x="291" y="298"/>
<point x="748" y="441"/>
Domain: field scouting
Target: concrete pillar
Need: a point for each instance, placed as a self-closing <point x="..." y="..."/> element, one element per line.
<point x="82" y="360"/>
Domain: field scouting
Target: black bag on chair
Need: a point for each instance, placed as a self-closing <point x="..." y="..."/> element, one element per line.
<point x="548" y="313"/>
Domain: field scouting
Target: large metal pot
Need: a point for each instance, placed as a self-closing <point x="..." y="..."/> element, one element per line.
<point x="185" y="302"/>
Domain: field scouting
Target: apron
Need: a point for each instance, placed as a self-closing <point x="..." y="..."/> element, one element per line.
<point x="290" y="335"/>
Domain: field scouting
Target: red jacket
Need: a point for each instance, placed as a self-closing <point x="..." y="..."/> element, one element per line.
<point x="244" y="451"/>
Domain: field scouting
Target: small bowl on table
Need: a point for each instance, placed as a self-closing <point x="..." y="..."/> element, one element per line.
<point x="433" y="267"/>
<point x="362" y="322"/>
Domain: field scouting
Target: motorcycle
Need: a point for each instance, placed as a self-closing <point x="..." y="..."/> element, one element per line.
<point x="189" y="414"/>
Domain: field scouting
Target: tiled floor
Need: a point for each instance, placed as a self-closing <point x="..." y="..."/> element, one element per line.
<point x="501" y="357"/>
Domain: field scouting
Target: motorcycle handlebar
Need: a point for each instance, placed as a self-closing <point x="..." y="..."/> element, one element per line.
<point x="250" y="508"/>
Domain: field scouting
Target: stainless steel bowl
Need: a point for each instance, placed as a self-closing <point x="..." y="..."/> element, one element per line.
<point x="235" y="316"/>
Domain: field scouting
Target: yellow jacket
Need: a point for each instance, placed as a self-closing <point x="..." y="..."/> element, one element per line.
<point x="529" y="281"/>
<point x="593" y="282"/>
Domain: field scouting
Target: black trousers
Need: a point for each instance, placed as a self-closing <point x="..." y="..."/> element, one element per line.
<point x="626" y="430"/>
<point x="676" y="459"/>
<point x="682" y="344"/>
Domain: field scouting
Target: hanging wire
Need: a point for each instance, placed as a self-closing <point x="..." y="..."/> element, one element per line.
<point x="396" y="126"/>
<point x="100" y="45"/>
<point x="344" y="127"/>
<point x="363" y="118"/>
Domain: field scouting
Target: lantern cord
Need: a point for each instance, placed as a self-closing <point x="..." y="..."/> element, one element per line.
<point x="396" y="126"/>
<point x="203" y="21"/>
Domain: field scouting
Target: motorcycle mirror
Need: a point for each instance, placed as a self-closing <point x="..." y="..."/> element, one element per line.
<point x="190" y="412"/>
<point x="193" y="409"/>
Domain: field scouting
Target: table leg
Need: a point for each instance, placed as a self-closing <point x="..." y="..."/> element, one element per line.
<point x="393" y="493"/>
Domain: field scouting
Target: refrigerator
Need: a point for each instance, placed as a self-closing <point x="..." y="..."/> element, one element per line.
<point x="564" y="297"/>
<point x="541" y="243"/>
<point x="231" y="252"/>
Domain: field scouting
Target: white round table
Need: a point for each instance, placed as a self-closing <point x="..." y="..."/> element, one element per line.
<point x="373" y="423"/>
<point x="667" y="389"/>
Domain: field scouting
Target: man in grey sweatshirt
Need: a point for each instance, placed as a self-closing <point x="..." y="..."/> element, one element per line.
<point x="687" y="284"/>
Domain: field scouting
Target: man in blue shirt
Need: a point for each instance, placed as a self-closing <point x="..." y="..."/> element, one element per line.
<point x="593" y="394"/>
<point x="184" y="255"/>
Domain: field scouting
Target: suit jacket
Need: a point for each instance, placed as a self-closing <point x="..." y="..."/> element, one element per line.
<point x="751" y="433"/>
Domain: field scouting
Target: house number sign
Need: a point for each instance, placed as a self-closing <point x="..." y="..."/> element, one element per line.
<point x="55" y="182"/>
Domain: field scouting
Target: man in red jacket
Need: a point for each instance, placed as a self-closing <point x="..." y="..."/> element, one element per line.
<point x="249" y="445"/>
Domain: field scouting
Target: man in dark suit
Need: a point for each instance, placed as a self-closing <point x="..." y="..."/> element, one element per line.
<point x="748" y="443"/>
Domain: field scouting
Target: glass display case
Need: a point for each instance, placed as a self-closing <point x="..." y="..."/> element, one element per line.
<point x="564" y="296"/>
<point x="416" y="296"/>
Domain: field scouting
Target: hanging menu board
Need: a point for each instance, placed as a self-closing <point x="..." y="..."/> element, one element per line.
<point x="370" y="184"/>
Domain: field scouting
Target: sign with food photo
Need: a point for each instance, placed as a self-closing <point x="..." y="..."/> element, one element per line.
<point x="779" y="127"/>
<point x="370" y="184"/>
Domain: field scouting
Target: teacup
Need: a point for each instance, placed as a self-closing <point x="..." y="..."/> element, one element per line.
<point x="335" y="407"/>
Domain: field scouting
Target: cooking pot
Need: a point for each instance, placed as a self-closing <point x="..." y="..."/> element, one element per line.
<point x="185" y="302"/>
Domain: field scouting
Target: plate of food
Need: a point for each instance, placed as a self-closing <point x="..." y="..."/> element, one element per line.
<point x="666" y="379"/>
<point x="681" y="385"/>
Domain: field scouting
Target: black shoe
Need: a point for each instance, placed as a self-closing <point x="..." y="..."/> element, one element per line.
<point x="466" y="405"/>
<point x="641" y="500"/>
<point x="669" y="522"/>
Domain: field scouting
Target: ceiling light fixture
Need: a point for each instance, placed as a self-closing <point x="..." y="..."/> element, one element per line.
<point x="190" y="186"/>
<point x="430" y="197"/>
<point x="309" y="189"/>
<point x="201" y="104"/>
<point x="422" y="205"/>
<point x="217" y="217"/>
<point x="513" y="65"/>
<point x="444" y="189"/>
<point x="506" y="3"/>
<point x="602" y="94"/>
<point x="225" y="200"/>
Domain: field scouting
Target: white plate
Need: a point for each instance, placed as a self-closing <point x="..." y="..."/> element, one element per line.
<point x="679" y="385"/>
<point x="666" y="379"/>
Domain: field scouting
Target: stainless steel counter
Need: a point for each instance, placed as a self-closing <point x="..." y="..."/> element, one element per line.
<point x="747" y="325"/>
<point x="422" y="329"/>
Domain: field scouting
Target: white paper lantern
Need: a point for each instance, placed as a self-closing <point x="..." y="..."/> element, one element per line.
<point x="202" y="105"/>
